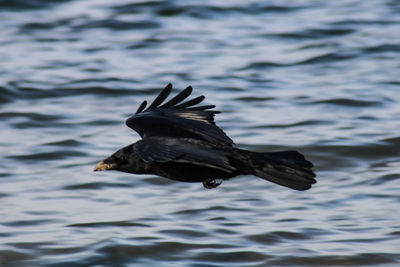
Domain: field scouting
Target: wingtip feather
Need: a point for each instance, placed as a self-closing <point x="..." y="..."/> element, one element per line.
<point x="205" y="107"/>
<point x="182" y="95"/>
<point x="161" y="96"/>
<point x="176" y="101"/>
<point x="141" y="107"/>
<point x="191" y="102"/>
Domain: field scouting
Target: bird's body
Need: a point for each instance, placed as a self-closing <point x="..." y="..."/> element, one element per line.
<point x="182" y="143"/>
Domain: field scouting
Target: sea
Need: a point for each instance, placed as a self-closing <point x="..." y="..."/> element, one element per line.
<point x="320" y="77"/>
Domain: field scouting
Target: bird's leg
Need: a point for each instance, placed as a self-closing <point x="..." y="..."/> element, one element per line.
<point x="211" y="183"/>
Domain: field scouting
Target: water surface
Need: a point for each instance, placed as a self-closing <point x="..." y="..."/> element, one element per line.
<point x="321" y="77"/>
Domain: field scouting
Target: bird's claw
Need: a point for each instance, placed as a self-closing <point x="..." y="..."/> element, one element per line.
<point x="212" y="183"/>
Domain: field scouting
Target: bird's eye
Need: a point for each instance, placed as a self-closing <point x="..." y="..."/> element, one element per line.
<point x="122" y="158"/>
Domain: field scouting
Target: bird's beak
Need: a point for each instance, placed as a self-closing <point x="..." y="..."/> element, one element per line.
<point x="101" y="166"/>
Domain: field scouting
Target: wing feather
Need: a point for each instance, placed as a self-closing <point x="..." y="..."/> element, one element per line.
<point x="204" y="108"/>
<point x="161" y="97"/>
<point x="162" y="150"/>
<point x="141" y="107"/>
<point x="176" y="119"/>
<point x="178" y="98"/>
<point x="191" y="102"/>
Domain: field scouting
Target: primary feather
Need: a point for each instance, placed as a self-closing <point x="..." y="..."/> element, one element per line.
<point x="177" y="119"/>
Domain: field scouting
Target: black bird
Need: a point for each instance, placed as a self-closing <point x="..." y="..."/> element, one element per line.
<point x="180" y="141"/>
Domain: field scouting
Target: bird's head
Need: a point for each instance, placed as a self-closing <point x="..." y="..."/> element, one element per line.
<point x="125" y="160"/>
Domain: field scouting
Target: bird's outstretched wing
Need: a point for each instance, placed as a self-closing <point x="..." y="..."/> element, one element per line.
<point x="163" y="150"/>
<point x="177" y="119"/>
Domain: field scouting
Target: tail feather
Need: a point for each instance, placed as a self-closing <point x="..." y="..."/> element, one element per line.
<point x="286" y="168"/>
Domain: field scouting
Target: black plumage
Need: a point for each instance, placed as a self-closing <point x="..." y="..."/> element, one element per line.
<point x="180" y="141"/>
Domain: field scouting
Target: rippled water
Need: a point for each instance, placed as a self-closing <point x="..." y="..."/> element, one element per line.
<point x="318" y="76"/>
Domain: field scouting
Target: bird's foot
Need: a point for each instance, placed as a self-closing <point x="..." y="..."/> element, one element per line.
<point x="211" y="183"/>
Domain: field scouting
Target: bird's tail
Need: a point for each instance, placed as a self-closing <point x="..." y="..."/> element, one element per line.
<point x="286" y="168"/>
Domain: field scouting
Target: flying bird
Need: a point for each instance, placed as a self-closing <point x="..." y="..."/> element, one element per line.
<point x="180" y="141"/>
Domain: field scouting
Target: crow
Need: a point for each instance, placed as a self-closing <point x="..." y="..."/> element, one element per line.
<point x="180" y="141"/>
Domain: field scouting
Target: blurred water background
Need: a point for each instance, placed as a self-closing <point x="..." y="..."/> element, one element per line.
<point x="322" y="77"/>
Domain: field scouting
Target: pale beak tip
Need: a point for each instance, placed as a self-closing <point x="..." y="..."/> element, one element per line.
<point x="99" y="167"/>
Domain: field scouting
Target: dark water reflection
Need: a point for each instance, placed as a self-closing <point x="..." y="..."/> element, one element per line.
<point x="318" y="76"/>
